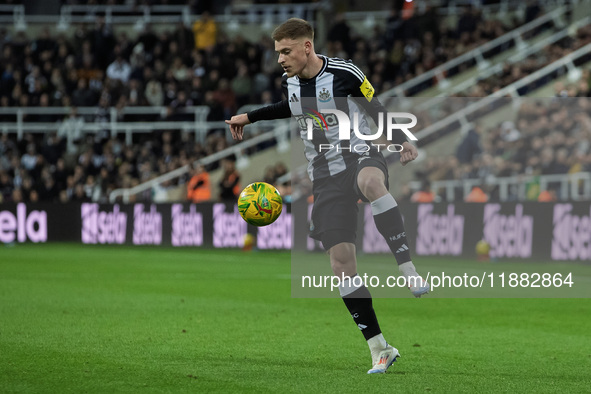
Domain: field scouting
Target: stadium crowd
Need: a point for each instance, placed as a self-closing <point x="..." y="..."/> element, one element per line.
<point x="548" y="137"/>
<point x="513" y="72"/>
<point x="211" y="68"/>
<point x="187" y="66"/>
<point x="413" y="43"/>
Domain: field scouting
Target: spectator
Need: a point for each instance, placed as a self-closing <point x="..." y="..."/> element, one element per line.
<point x="17" y="195"/>
<point x="119" y="70"/>
<point x="7" y="146"/>
<point x="205" y="31"/>
<point x="102" y="42"/>
<point x="280" y="169"/>
<point x="177" y="105"/>
<point x="134" y="94"/>
<point x="48" y="190"/>
<point x="71" y="130"/>
<point x="468" y="21"/>
<point x="230" y="183"/>
<point x="242" y="86"/>
<point x="6" y="186"/>
<point x="226" y="97"/>
<point x="26" y="187"/>
<point x="184" y="36"/>
<point x="91" y="72"/>
<point x="148" y="39"/>
<point x="180" y="71"/>
<point x="91" y="189"/>
<point x="199" y="187"/>
<point x="29" y="159"/>
<point x="63" y="197"/>
<point x="53" y="148"/>
<point x="197" y="92"/>
<point x="82" y="96"/>
<point x="340" y="33"/>
<point x="477" y="195"/>
<point x="532" y="11"/>
<point x="102" y="117"/>
<point x="547" y="196"/>
<point x="405" y="194"/>
<point x="269" y="176"/>
<point x="154" y="94"/>
<point x="79" y="194"/>
<point x="425" y="195"/>
<point x="33" y="196"/>
<point x="508" y="132"/>
<point x="469" y="148"/>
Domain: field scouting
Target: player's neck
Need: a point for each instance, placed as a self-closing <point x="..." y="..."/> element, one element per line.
<point x="313" y="67"/>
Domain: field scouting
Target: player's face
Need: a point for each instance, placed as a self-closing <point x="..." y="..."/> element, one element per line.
<point x="292" y="55"/>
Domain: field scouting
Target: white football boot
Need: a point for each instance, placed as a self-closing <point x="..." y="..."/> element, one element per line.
<point x="384" y="359"/>
<point x="419" y="286"/>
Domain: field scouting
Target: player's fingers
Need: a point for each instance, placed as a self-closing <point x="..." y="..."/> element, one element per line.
<point x="405" y="158"/>
<point x="411" y="155"/>
<point x="233" y="131"/>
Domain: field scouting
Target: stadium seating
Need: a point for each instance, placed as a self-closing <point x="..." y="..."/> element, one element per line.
<point x="149" y="103"/>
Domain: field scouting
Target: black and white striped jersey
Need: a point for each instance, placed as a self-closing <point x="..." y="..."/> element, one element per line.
<point x="339" y="85"/>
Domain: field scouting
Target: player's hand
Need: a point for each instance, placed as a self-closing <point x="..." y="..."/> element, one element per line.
<point x="237" y="123"/>
<point x="408" y="154"/>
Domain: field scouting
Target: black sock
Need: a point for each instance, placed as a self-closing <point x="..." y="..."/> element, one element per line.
<point x="389" y="223"/>
<point x="360" y="307"/>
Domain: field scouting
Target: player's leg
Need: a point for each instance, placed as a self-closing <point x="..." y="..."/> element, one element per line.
<point x="357" y="297"/>
<point x="371" y="182"/>
<point x="334" y="222"/>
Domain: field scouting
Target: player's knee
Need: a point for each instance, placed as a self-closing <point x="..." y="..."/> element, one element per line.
<point x="372" y="187"/>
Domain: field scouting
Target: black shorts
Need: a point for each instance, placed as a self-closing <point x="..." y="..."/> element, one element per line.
<point x="334" y="214"/>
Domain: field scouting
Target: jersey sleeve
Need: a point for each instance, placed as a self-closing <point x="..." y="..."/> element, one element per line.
<point x="279" y="110"/>
<point x="360" y="88"/>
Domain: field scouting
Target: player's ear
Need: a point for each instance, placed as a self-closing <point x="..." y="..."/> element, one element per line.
<point x="308" y="46"/>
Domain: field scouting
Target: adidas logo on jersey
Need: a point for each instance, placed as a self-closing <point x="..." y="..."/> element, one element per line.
<point x="294" y="99"/>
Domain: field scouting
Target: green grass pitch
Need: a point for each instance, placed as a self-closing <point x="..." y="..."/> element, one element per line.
<point x="83" y="319"/>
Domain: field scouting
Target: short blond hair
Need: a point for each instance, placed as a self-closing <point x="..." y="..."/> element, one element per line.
<point x="293" y="29"/>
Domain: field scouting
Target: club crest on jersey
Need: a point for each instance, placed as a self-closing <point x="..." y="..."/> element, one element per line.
<point x="324" y="96"/>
